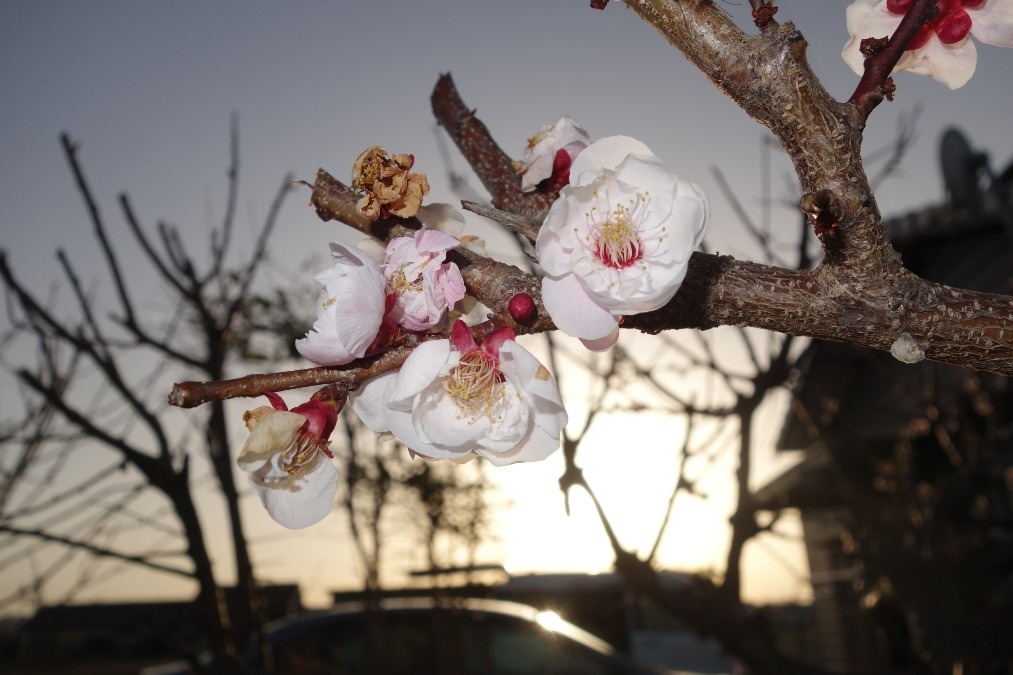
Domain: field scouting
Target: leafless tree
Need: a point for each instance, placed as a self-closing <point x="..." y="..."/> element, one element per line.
<point x="92" y="400"/>
<point x="95" y="381"/>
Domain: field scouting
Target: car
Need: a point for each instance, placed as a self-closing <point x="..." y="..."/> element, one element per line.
<point x="450" y="636"/>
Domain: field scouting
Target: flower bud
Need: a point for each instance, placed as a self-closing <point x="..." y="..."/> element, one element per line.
<point x="522" y="308"/>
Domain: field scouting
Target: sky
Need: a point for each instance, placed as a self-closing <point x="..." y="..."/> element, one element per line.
<point x="148" y="90"/>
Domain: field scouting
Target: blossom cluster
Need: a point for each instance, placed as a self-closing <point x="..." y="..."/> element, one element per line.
<point x="617" y="241"/>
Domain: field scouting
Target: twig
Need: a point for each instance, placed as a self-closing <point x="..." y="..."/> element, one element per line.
<point x="526" y="227"/>
<point x="97" y="550"/>
<point x="874" y="83"/>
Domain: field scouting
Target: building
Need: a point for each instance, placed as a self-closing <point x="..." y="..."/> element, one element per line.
<point x="905" y="488"/>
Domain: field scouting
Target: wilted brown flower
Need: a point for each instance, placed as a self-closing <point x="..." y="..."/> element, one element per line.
<point x="387" y="184"/>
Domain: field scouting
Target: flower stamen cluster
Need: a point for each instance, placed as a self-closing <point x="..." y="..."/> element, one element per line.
<point x="473" y="384"/>
<point x="616" y="241"/>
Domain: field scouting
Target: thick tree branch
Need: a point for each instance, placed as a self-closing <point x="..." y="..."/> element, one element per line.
<point x="493" y="166"/>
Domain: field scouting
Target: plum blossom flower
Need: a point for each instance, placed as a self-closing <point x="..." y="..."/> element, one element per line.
<point x="453" y="398"/>
<point x="550" y="153"/>
<point x="289" y="465"/>
<point x="350" y="309"/>
<point x="387" y="184"/>
<point x="424" y="284"/>
<point x="942" y="49"/>
<point x="618" y="239"/>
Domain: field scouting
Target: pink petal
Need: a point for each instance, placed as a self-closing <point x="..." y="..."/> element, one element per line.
<point x="276" y="401"/>
<point x="434" y="241"/>
<point x="461" y="338"/>
<point x="493" y="342"/>
<point x="320" y="417"/>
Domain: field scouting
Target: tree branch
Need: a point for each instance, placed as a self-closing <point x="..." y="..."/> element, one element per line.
<point x="97" y="550"/>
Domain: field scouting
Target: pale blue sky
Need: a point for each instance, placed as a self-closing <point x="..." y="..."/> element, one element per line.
<point x="148" y="90"/>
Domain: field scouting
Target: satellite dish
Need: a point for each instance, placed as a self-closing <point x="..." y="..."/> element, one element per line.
<point x="961" y="168"/>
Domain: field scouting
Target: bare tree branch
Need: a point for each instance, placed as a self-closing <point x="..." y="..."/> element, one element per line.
<point x="144" y="561"/>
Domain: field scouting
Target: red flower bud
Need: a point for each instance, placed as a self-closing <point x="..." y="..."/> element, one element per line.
<point x="522" y="308"/>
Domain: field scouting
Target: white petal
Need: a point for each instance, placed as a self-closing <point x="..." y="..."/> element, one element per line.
<point x="420" y="369"/>
<point x="537" y="170"/>
<point x="443" y="424"/>
<point x="604" y="154"/>
<point x="556" y="239"/>
<point x="537" y="384"/>
<point x="952" y="65"/>
<point x="374" y="248"/>
<point x="536" y="447"/>
<point x="511" y="421"/>
<point x="572" y="309"/>
<point x="305" y="501"/>
<point x="992" y="23"/>
<point x="866" y="19"/>
<point x="350" y="309"/>
<point x="403" y="426"/>
<point x="602" y="344"/>
<point x="645" y="173"/>
<point x="370" y="401"/>
<point x="443" y="217"/>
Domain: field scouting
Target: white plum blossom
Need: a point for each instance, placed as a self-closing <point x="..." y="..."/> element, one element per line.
<point x="425" y="285"/>
<point x="454" y="398"/>
<point x="942" y="49"/>
<point x="350" y="308"/>
<point x="618" y="239"/>
<point x="550" y="153"/>
<point x="443" y="217"/>
<point x="288" y="462"/>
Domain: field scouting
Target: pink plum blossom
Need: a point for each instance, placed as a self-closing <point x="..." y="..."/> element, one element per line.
<point x="550" y="153"/>
<point x="288" y="462"/>
<point x="618" y="239"/>
<point x="942" y="49"/>
<point x="350" y="309"/>
<point x="453" y="398"/>
<point x="425" y="285"/>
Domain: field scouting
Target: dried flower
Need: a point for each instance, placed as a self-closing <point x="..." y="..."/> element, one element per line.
<point x="388" y="186"/>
